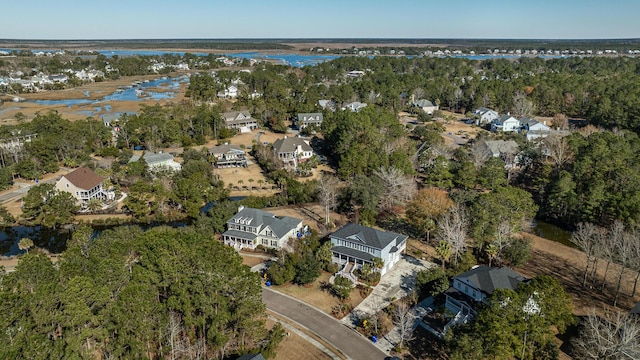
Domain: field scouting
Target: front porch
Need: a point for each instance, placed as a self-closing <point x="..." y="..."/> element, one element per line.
<point x="239" y="243"/>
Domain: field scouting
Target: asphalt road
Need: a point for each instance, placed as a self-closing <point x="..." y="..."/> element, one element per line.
<point x="350" y="343"/>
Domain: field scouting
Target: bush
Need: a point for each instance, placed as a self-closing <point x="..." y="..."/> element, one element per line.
<point x="342" y="287"/>
<point x="432" y="282"/>
<point x="281" y="273"/>
<point x="518" y="252"/>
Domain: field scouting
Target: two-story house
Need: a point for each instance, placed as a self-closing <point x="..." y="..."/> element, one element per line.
<point x="473" y="287"/>
<point x="534" y="129"/>
<point x="354" y="106"/>
<point x="240" y="120"/>
<point x="84" y="185"/>
<point x="252" y="227"/>
<point x="355" y="245"/>
<point x="485" y="116"/>
<point x="292" y="151"/>
<point x="228" y="155"/>
<point x="505" y="123"/>
<point x="307" y="119"/>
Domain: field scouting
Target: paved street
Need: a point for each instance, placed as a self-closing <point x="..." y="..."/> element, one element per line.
<point x="349" y="342"/>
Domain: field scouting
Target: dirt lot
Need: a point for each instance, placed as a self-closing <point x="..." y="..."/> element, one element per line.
<point x="293" y="346"/>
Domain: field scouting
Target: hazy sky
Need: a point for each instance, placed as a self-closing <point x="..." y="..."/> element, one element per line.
<point x="135" y="19"/>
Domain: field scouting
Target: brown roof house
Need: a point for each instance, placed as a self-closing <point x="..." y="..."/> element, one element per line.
<point x="84" y="185"/>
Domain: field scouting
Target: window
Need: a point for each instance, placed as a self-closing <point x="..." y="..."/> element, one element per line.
<point x="274" y="243"/>
<point x="265" y="242"/>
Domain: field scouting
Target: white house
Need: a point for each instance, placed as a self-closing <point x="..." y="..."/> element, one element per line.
<point x="229" y="93"/>
<point x="425" y="105"/>
<point x="505" y="123"/>
<point x="250" y="228"/>
<point x="473" y="287"/>
<point x="354" y="106"/>
<point x="355" y="245"/>
<point x="240" y="120"/>
<point x="307" y="119"/>
<point x="158" y="161"/>
<point x="292" y="151"/>
<point x="485" y="116"/>
<point x="535" y="129"/>
<point x="84" y="185"/>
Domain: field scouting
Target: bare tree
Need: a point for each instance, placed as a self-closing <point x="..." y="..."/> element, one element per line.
<point x="452" y="227"/>
<point x="560" y="121"/>
<point x="522" y="105"/>
<point x="404" y="318"/>
<point x="557" y="149"/>
<point x="397" y="188"/>
<point x="635" y="261"/>
<point x="503" y="238"/>
<point x="328" y="186"/>
<point x="585" y="237"/>
<point x="610" y="245"/>
<point x="480" y="154"/>
<point x="614" y="336"/>
<point x="623" y="253"/>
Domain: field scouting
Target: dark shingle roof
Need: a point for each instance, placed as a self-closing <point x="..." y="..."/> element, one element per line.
<point x="84" y="178"/>
<point x="353" y="252"/>
<point x="487" y="279"/>
<point x="369" y="236"/>
<point x="288" y="145"/>
<point x="226" y="148"/>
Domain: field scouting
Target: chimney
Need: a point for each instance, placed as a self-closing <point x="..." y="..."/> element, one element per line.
<point x="240" y="208"/>
<point x="285" y="136"/>
<point x="544" y="122"/>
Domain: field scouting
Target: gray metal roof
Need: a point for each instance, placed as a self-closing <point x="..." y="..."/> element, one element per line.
<point x="152" y="158"/>
<point x="498" y="147"/>
<point x="372" y="237"/>
<point x="280" y="225"/>
<point x="487" y="279"/>
<point x="241" y="234"/>
<point x="288" y="145"/>
<point x="422" y="103"/>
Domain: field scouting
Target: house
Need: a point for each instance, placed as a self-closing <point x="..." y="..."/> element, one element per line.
<point x="292" y="151"/>
<point x="240" y="120"/>
<point x="229" y="93"/>
<point x="354" y="106"/>
<point x="158" y="161"/>
<point x="535" y="129"/>
<point x="250" y="228"/>
<point x="84" y="185"/>
<point x="327" y="105"/>
<point x="355" y="245"/>
<point x="228" y="156"/>
<point x="307" y="119"/>
<point x="485" y="116"/>
<point x="500" y="148"/>
<point x="505" y="123"/>
<point x="473" y="287"/>
<point x="425" y="105"/>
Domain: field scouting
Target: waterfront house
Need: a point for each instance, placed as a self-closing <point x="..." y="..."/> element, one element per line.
<point x="158" y="161"/>
<point x="355" y="245"/>
<point x="84" y="185"/>
<point x="250" y="228"/>
<point x="308" y="119"/>
<point x="292" y="151"/>
<point x="228" y="155"/>
<point x="240" y="120"/>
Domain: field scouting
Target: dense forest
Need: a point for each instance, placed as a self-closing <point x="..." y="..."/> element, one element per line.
<point x="132" y="294"/>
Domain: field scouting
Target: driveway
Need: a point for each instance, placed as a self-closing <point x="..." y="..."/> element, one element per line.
<point x="349" y="342"/>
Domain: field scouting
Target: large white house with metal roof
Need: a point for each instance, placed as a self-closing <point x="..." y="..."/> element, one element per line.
<point x="355" y="245"/>
<point x="250" y="228"/>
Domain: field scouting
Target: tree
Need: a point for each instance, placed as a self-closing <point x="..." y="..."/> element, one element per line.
<point x="324" y="255"/>
<point x="443" y="250"/>
<point x="46" y="206"/>
<point x="342" y="287"/>
<point x="403" y="319"/>
<point x="452" y="227"/>
<point x="522" y="106"/>
<point x="328" y="194"/>
<point x="427" y="205"/>
<point x="25" y="244"/>
<point x="613" y="336"/>
<point x="397" y="188"/>
<point x="307" y="270"/>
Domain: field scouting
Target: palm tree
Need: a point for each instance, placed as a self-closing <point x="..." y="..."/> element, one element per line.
<point x="378" y="263"/>
<point x="250" y="184"/>
<point x="261" y="184"/>
<point x="240" y="182"/>
<point x="25" y="244"/>
<point x="443" y="250"/>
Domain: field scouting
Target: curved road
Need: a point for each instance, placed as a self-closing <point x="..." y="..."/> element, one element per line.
<point x="349" y="342"/>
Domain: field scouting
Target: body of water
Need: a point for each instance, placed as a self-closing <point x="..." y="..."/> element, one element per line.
<point x="552" y="232"/>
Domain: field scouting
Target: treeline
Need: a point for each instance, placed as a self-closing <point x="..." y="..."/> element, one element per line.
<point x="133" y="294"/>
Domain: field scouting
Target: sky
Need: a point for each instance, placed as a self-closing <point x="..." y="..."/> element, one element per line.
<point x="241" y="19"/>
